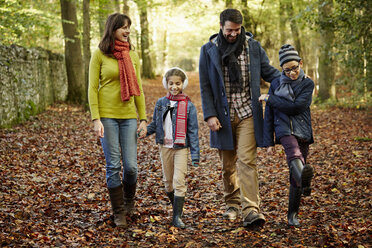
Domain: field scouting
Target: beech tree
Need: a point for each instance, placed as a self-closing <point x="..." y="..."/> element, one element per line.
<point x="73" y="56"/>
<point x="147" y="70"/>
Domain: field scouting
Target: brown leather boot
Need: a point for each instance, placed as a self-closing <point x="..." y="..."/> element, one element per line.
<point x="129" y="193"/>
<point x="117" y="203"/>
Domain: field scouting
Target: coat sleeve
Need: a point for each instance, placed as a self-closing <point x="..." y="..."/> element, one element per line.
<point x="206" y="94"/>
<point x="192" y="131"/>
<point x="268" y="135"/>
<point x="268" y="72"/>
<point x="151" y="128"/>
<point x="300" y="104"/>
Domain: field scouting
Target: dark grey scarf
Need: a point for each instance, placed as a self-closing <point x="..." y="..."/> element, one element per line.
<point x="230" y="53"/>
<point x="285" y="88"/>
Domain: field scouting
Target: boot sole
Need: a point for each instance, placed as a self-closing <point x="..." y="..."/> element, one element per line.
<point x="259" y="221"/>
<point x="307" y="175"/>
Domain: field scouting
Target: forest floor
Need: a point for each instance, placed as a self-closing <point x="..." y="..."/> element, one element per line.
<point x="53" y="190"/>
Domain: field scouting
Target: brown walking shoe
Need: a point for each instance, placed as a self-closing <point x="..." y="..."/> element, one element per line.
<point x="254" y="219"/>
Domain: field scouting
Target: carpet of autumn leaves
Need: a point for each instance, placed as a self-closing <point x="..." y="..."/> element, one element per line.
<point x="53" y="192"/>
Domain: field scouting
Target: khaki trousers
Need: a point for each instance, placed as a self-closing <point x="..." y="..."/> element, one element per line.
<point x="174" y="165"/>
<point x="240" y="175"/>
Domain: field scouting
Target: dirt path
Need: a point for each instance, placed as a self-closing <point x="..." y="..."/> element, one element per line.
<point x="53" y="189"/>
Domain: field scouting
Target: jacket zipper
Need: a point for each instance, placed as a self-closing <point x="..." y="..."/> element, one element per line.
<point x="290" y="122"/>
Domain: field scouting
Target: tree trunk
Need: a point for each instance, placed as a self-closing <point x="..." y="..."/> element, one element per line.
<point x="247" y="19"/>
<point x="104" y="9"/>
<point x="294" y="28"/>
<point x="282" y="21"/>
<point x="147" y="70"/>
<point x="73" y="57"/>
<point x="326" y="62"/>
<point x="126" y="7"/>
<point x="165" y="48"/>
<point x="229" y="3"/>
<point x="86" y="40"/>
<point x="117" y="6"/>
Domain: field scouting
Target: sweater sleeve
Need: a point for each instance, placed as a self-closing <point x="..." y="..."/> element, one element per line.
<point x="94" y="73"/>
<point x="139" y="100"/>
<point x="301" y="103"/>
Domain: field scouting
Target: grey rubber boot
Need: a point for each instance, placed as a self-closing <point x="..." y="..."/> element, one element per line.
<point x="177" y="211"/>
<point x="117" y="203"/>
<point x="294" y="205"/>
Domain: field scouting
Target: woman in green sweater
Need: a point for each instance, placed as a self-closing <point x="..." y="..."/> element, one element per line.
<point x="115" y="99"/>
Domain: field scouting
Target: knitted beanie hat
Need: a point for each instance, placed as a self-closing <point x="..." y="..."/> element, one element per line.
<point x="172" y="69"/>
<point x="288" y="53"/>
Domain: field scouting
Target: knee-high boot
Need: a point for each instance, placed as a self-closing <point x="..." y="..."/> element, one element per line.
<point x="302" y="175"/>
<point x="129" y="193"/>
<point x="294" y="205"/>
<point x="177" y="211"/>
<point x="117" y="204"/>
<point x="171" y="196"/>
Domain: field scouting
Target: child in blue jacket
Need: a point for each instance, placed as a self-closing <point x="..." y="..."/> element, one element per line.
<point x="287" y="114"/>
<point x="176" y="126"/>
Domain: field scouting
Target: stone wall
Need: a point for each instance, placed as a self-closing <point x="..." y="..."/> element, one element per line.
<point x="30" y="80"/>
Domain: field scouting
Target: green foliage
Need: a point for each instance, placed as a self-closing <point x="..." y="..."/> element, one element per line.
<point x="29" y="23"/>
<point x="349" y="100"/>
<point x="351" y="22"/>
<point x="362" y="139"/>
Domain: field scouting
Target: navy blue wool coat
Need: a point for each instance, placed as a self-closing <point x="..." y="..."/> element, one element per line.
<point x="286" y="117"/>
<point x="213" y="95"/>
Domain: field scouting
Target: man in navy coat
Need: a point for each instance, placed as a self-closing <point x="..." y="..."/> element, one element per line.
<point x="230" y="68"/>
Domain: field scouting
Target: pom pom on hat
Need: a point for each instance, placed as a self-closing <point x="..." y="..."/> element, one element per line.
<point x="288" y="53"/>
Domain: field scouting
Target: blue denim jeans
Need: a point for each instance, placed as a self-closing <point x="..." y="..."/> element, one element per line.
<point x="120" y="143"/>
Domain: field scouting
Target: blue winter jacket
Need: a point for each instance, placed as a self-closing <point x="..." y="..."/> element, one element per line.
<point x="285" y="117"/>
<point x="192" y="137"/>
<point x="212" y="90"/>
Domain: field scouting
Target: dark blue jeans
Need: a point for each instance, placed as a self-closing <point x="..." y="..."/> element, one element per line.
<point x="120" y="143"/>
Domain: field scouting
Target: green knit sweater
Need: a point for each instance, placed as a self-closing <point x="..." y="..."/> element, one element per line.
<point x="104" y="89"/>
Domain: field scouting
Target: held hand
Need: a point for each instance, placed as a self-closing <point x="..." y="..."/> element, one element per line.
<point x="263" y="97"/>
<point x="214" y="124"/>
<point x="195" y="163"/>
<point x="270" y="150"/>
<point x="98" y="128"/>
<point x="142" y="130"/>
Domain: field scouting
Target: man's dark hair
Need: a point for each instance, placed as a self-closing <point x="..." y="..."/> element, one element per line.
<point x="232" y="15"/>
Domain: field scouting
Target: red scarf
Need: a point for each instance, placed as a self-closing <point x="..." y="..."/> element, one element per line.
<point x="128" y="80"/>
<point x="181" y="119"/>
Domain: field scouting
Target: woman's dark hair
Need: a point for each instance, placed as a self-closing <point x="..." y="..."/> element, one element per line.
<point x="114" y="22"/>
<point x="232" y="15"/>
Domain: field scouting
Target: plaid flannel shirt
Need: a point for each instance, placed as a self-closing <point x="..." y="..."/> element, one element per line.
<point x="240" y="103"/>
